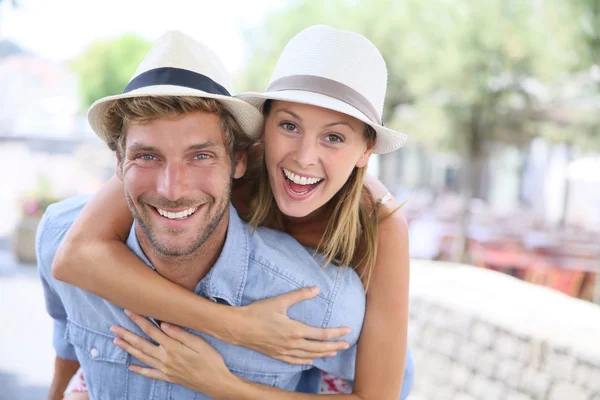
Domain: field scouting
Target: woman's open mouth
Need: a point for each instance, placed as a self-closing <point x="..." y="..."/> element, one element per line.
<point x="300" y="185"/>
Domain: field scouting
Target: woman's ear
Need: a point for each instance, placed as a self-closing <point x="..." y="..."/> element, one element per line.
<point x="364" y="159"/>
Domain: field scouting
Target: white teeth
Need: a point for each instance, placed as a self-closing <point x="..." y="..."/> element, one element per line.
<point x="300" y="180"/>
<point x="177" y="215"/>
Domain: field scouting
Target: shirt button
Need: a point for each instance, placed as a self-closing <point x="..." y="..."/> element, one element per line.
<point x="94" y="353"/>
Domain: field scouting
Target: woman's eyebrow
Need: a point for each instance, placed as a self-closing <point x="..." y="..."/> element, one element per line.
<point x="339" y="123"/>
<point x="289" y="112"/>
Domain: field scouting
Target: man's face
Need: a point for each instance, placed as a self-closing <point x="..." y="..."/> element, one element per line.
<point x="177" y="175"/>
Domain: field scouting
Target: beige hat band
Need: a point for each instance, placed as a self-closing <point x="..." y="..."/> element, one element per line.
<point x="327" y="87"/>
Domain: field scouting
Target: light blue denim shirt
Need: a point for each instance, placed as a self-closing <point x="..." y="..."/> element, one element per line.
<point x="252" y="266"/>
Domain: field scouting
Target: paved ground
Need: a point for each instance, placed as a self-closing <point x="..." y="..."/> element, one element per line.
<point x="26" y="353"/>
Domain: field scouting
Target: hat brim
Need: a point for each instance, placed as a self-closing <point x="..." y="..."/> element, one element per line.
<point x="388" y="140"/>
<point x="246" y="115"/>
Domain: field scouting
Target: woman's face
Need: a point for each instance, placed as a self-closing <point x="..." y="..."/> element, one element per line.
<point x="310" y="152"/>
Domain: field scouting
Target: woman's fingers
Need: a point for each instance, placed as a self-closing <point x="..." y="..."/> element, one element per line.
<point x="309" y="332"/>
<point x="286" y="300"/>
<point x="136" y="341"/>
<point x="318" y="349"/>
<point x="149" y="373"/>
<point x="137" y="353"/>
<point x="303" y="354"/>
<point x="309" y="349"/>
<point x="187" y="339"/>
<point x="148" y="328"/>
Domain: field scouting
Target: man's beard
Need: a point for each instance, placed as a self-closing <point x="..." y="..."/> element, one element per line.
<point x="205" y="233"/>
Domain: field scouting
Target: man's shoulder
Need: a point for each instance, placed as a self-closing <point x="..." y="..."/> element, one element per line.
<point x="281" y="245"/>
<point x="279" y="250"/>
<point x="54" y="225"/>
<point x="286" y="265"/>
<point x="65" y="211"/>
<point x="281" y="254"/>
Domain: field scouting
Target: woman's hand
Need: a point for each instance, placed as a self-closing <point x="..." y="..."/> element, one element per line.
<point x="180" y="357"/>
<point x="266" y="328"/>
<point x="188" y="360"/>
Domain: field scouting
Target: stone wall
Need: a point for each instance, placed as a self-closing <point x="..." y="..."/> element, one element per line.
<point x="479" y="334"/>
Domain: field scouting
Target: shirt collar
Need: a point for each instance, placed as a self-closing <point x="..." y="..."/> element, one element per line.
<point x="227" y="278"/>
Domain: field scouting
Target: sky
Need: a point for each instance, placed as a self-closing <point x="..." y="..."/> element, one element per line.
<point x="60" y="30"/>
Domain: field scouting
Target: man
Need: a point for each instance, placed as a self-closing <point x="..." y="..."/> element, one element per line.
<point x="177" y="171"/>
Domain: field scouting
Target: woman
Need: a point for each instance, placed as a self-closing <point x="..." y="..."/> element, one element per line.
<point x="322" y="108"/>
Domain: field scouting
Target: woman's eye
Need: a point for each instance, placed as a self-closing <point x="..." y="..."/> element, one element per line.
<point x="334" y="138"/>
<point x="288" y="126"/>
<point x="202" y="156"/>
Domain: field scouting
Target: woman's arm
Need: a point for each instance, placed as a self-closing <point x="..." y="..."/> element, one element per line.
<point x="94" y="257"/>
<point x="382" y="344"/>
<point x="381" y="348"/>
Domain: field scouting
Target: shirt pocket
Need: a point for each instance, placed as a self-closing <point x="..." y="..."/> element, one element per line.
<point x="104" y="364"/>
<point x="268" y="379"/>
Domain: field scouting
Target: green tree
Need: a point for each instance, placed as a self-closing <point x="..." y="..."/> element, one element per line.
<point x="588" y="16"/>
<point x="106" y="66"/>
<point x="574" y="117"/>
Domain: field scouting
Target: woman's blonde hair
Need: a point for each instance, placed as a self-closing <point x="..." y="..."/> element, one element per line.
<point x="350" y="237"/>
<point x="122" y="112"/>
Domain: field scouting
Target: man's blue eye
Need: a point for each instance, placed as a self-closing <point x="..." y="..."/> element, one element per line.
<point x="202" y="157"/>
<point x="147" y="157"/>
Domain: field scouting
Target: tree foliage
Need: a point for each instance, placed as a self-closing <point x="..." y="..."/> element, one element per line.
<point x="588" y="17"/>
<point x="456" y="64"/>
<point x="106" y="66"/>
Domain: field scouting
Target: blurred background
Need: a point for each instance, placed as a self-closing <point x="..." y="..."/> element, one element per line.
<point x="500" y="99"/>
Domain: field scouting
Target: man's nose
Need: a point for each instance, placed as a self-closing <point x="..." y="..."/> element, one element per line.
<point x="306" y="152"/>
<point x="173" y="181"/>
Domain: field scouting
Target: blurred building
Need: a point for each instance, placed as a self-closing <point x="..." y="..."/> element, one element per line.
<point x="46" y="145"/>
<point x="38" y="97"/>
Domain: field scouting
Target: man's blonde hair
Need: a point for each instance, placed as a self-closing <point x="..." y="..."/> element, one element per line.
<point x="122" y="112"/>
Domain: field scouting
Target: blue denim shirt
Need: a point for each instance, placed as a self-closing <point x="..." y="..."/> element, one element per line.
<point x="252" y="266"/>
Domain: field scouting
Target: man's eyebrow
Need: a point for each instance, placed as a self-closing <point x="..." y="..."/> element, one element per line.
<point x="152" y="149"/>
<point x="339" y="123"/>
<point x="289" y="112"/>
<point x="202" y="146"/>
<point x="142" y="147"/>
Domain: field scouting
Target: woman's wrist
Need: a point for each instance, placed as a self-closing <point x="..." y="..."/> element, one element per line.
<point x="225" y="322"/>
<point x="227" y="387"/>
